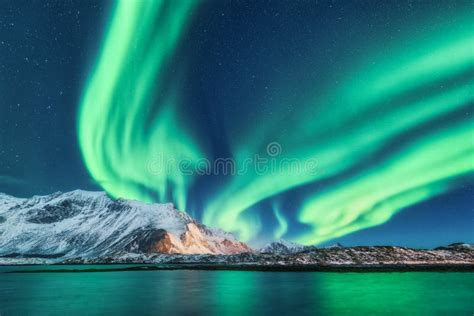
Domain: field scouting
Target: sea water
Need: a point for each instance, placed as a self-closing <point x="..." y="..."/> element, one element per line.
<point x="187" y="292"/>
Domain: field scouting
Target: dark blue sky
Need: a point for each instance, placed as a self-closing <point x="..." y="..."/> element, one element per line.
<point x="46" y="49"/>
<point x="236" y="50"/>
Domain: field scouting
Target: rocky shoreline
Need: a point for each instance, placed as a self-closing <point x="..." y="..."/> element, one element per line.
<point x="455" y="256"/>
<point x="81" y="227"/>
<point x="263" y="268"/>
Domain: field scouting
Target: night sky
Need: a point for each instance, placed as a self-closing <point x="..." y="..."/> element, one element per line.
<point x="371" y="100"/>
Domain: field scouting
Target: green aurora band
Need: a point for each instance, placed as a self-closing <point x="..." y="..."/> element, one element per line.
<point x="368" y="112"/>
<point x="115" y="133"/>
<point x="379" y="101"/>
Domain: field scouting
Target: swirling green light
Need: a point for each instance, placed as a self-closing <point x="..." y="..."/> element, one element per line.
<point x="119" y="141"/>
<point x="282" y="227"/>
<point x="427" y="167"/>
<point x="128" y="118"/>
<point x="379" y="105"/>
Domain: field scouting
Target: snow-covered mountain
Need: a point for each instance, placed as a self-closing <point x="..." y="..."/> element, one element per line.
<point x="361" y="256"/>
<point x="90" y="224"/>
<point x="460" y="246"/>
<point x="336" y="245"/>
<point x="284" y="247"/>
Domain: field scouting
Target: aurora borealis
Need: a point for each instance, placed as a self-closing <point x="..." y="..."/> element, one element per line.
<point x="377" y="97"/>
<point x="402" y="91"/>
<point x="121" y="91"/>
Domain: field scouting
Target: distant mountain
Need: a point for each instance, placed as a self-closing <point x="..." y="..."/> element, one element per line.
<point x="457" y="246"/>
<point x="89" y="227"/>
<point x="284" y="247"/>
<point x="347" y="257"/>
<point x="336" y="245"/>
<point x="90" y="224"/>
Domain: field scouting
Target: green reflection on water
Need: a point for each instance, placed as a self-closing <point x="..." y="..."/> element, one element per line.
<point x="234" y="293"/>
<point x="396" y="293"/>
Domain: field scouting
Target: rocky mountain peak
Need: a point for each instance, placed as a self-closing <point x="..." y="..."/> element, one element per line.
<point x="91" y="224"/>
<point x="283" y="247"/>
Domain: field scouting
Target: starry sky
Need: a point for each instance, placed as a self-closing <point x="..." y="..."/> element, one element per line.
<point x="371" y="100"/>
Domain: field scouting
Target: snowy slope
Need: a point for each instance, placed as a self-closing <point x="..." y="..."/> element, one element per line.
<point x="375" y="256"/>
<point x="283" y="247"/>
<point x="90" y="224"/>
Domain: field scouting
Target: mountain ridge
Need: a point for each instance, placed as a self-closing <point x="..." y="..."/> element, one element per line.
<point x="90" y="224"/>
<point x="282" y="246"/>
<point x="83" y="227"/>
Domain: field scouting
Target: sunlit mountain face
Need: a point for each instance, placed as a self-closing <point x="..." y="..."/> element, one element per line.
<point x="303" y="120"/>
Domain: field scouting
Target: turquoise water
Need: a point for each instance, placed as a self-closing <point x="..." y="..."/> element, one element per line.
<point x="234" y="293"/>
